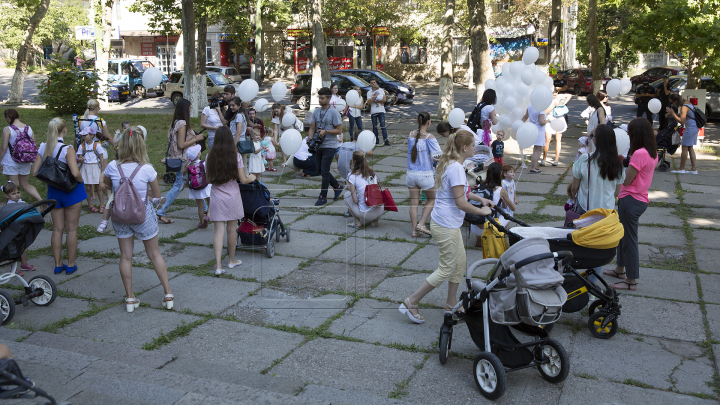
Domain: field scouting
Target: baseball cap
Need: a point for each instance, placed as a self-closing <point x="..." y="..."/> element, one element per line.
<point x="229" y="89"/>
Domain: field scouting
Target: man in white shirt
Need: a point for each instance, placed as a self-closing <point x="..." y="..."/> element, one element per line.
<point x="376" y="98"/>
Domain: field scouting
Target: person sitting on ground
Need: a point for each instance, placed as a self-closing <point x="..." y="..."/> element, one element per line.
<point x="360" y="176"/>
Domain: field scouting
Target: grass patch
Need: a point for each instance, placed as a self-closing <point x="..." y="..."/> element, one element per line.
<point x="587" y="376"/>
<point x="399" y="391"/>
<point x="636" y="383"/>
<point x="182" y="330"/>
<point x="94" y="310"/>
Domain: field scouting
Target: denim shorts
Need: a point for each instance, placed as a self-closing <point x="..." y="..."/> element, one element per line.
<point x="145" y="231"/>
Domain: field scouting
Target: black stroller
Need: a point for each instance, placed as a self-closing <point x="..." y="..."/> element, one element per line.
<point x="262" y="219"/>
<point x="15" y="385"/>
<point x="524" y="292"/>
<point x="664" y="141"/>
<point x="20" y="224"/>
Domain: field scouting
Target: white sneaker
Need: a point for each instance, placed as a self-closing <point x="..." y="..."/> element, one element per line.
<point x="691" y="172"/>
<point x="678" y="171"/>
<point x="219" y="272"/>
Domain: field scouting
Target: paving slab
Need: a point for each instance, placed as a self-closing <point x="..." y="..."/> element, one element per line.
<point x="385" y="253"/>
<point x="203" y="294"/>
<point x="662" y="216"/>
<point x="400" y="231"/>
<point x="320" y="276"/>
<point x="403" y="213"/>
<point x="695" y="376"/>
<point x="526" y="207"/>
<point x="115" y="325"/>
<point x="713" y="318"/>
<point x="191" y="256"/>
<point x="396" y="161"/>
<point x="106" y="284"/>
<point x="315" y="394"/>
<point x="270" y="306"/>
<point x="664" y="196"/>
<point x="260" y="267"/>
<point x="427" y="258"/>
<point x="530" y="186"/>
<point x="399" y="288"/>
<point x="348" y="249"/>
<point x="708" y="260"/>
<point x="45" y="265"/>
<point x="710" y="284"/>
<point x="661" y="256"/>
<point x="661" y="236"/>
<point x="305" y="244"/>
<point x="661" y="318"/>
<point x="667" y="284"/>
<point x="706" y="239"/>
<point x="325" y="223"/>
<point x="554" y="210"/>
<point x="201" y="236"/>
<point x="378" y="373"/>
<point x="706" y="200"/>
<point x="236" y="344"/>
<point x="179" y="226"/>
<point x="701" y="188"/>
<point x="100" y="244"/>
<point x="33" y="317"/>
<point x="704" y="222"/>
<point x="299" y="202"/>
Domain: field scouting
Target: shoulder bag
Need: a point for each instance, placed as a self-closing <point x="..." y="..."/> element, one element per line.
<point x="56" y="173"/>
<point x="577" y="210"/>
<point x="560" y="110"/>
<point x="245" y="147"/>
<point x="172" y="165"/>
<point x="373" y="195"/>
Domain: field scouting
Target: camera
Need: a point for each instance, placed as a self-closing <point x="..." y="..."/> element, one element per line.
<point x="217" y="102"/>
<point x="314" y="143"/>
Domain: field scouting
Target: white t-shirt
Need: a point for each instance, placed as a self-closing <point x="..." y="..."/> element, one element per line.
<point x="446" y="213"/>
<point x="334" y="100"/>
<point x="510" y="187"/>
<point x="85" y="124"/>
<point x="239" y="117"/>
<point x="360" y="183"/>
<point x="304" y="152"/>
<point x="213" y="119"/>
<point x="90" y="156"/>
<point x="7" y="160"/>
<point x="485" y="114"/>
<point x="376" y="107"/>
<point x="63" y="154"/>
<point x="145" y="175"/>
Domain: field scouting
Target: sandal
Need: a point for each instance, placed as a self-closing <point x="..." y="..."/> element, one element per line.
<point x="405" y="308"/>
<point x="131" y="304"/>
<point x="27" y="267"/>
<point x="422" y="229"/>
<point x="535" y="171"/>
<point x="92" y="208"/>
<point x="628" y="286"/>
<point x="613" y="273"/>
<point x="102" y="210"/>
<point x="165" y="221"/>
<point x="167" y="301"/>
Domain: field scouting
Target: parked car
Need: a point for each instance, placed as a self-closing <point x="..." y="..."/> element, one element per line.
<point x="230" y="72"/>
<point x="712" y="101"/>
<point x="656" y="73"/>
<point x="130" y="71"/>
<point x="301" y="89"/>
<point x="399" y="91"/>
<point x="580" y="81"/>
<point x="216" y="82"/>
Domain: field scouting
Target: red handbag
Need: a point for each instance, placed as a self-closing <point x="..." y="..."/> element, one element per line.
<point x="388" y="201"/>
<point x="373" y="195"/>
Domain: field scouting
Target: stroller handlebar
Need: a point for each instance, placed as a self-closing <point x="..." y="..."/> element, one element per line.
<point x="51" y="204"/>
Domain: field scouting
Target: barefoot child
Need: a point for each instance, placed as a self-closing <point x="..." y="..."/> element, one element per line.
<point x="90" y="156"/>
<point x="12" y="193"/>
<point x="196" y="174"/>
<point x="508" y="184"/>
<point x="255" y="163"/>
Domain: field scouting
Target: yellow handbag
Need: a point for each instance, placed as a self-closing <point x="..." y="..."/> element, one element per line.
<point x="494" y="242"/>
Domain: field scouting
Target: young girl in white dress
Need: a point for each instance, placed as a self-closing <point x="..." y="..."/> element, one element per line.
<point x="193" y="155"/>
<point x="255" y="163"/>
<point x="91" y="156"/>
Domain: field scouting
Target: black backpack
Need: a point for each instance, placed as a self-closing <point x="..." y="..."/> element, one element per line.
<point x="700" y="118"/>
<point x="474" y="122"/>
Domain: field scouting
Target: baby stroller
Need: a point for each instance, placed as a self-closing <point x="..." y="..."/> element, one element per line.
<point x="15" y="385"/>
<point x="605" y="310"/>
<point x="523" y="292"/>
<point x="20" y="224"/>
<point x="664" y="140"/>
<point x="262" y="219"/>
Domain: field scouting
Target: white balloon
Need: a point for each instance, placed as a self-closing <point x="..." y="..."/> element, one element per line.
<point x="500" y="82"/>
<point x="614" y="88"/>
<point x="495" y="128"/>
<point x="506" y="70"/>
<point x="516" y="125"/>
<point x="366" y="141"/>
<point x="526" y="135"/>
<point x="538" y="77"/>
<point x="518" y="113"/>
<point x="622" y="140"/>
<point x="340" y="105"/>
<point x="626" y="85"/>
<point x="654" y="106"/>
<point x="541" y="98"/>
<point x="261" y="105"/>
<point x="290" y="141"/>
<point x="549" y="83"/>
<point x="490" y="84"/>
<point x="516" y="69"/>
<point x="508" y="90"/>
<point x="248" y="90"/>
<point x="504" y="121"/>
<point x="521" y="91"/>
<point x="352" y="97"/>
<point x="278" y="91"/>
<point x="288" y="119"/>
<point x="500" y="109"/>
<point x="558" y="125"/>
<point x="500" y="100"/>
<point x="510" y="133"/>
<point x="527" y="76"/>
<point x="152" y="78"/>
<point x="510" y="103"/>
<point x="456" y="117"/>
<point x="531" y="55"/>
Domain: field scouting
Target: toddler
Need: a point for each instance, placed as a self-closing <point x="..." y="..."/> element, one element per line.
<point x="583" y="147"/>
<point x="195" y="171"/>
<point x="570" y="204"/>
<point x="12" y="193"/>
<point x="508" y="183"/>
<point x="270" y="152"/>
<point x="498" y="147"/>
<point x="255" y="163"/>
<point x="91" y="158"/>
<point x="119" y="132"/>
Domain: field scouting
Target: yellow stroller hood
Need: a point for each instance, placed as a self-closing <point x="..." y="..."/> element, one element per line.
<point x="603" y="234"/>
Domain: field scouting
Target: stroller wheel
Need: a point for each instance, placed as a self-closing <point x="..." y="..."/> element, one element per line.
<point x="557" y="367"/>
<point x="489" y="375"/>
<point x="594" y="306"/>
<point x="277" y="235"/>
<point x="287" y="234"/>
<point x="445" y="338"/>
<point x="48" y="287"/>
<point x="664" y="166"/>
<point x="595" y="324"/>
<point x="7" y="307"/>
<point x="270" y="249"/>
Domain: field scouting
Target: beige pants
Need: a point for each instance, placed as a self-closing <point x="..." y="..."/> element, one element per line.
<point x="364" y="217"/>
<point x="453" y="262"/>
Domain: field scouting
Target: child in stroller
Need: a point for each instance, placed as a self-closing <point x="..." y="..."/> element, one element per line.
<point x="523" y="291"/>
<point x="262" y="219"/>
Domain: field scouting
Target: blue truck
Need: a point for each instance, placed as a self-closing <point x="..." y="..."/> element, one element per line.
<point x="130" y="71"/>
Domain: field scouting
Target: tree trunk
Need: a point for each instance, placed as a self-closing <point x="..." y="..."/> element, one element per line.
<point x="608" y="52"/>
<point x="594" y="51"/>
<point x="446" y="96"/>
<point x="189" y="62"/>
<point x="18" y="81"/>
<point x="555" y="32"/>
<point x="259" y="65"/>
<point x="103" y="48"/>
<point x="320" y="66"/>
<point x="480" y="46"/>
<point x="695" y="60"/>
<point x="201" y="62"/>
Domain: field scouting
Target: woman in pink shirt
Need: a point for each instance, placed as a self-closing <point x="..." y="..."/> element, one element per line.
<point x="633" y="201"/>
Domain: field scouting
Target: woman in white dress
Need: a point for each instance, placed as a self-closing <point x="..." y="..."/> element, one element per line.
<point x="537" y="118"/>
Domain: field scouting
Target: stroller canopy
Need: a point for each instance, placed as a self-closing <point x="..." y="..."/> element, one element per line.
<point x="19" y="234"/>
<point x="603" y="234"/>
<point x="540" y="274"/>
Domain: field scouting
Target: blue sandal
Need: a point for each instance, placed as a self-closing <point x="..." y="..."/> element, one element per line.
<point x="60" y="269"/>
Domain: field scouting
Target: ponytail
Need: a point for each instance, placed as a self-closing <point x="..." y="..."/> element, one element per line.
<point x="92" y="104"/>
<point x="422" y="119"/>
<point x="453" y="146"/>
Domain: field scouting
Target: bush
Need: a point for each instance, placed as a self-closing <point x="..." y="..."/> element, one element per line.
<point x="67" y="90"/>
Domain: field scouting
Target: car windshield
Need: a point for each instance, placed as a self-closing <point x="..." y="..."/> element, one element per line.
<point x="357" y="81"/>
<point x="231" y="72"/>
<point x="385" y="76"/>
<point x="587" y="73"/>
<point x="141" y="66"/>
<point x="218" y="79"/>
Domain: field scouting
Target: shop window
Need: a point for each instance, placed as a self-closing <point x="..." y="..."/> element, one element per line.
<point x="288" y="52"/>
<point x="413" y="53"/>
<point x="461" y="52"/>
<point x="503" y="5"/>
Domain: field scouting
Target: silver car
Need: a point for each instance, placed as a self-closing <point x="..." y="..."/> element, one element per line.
<point x="229" y="72"/>
<point x="712" y="105"/>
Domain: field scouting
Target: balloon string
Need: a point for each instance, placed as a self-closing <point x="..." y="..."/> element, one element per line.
<point x="522" y="166"/>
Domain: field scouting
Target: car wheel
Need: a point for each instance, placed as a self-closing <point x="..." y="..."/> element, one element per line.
<point x="708" y="111"/>
<point x="140" y="91"/>
<point x="175" y="98"/>
<point x="392" y="99"/>
<point x="304" y="103"/>
<point x="576" y="90"/>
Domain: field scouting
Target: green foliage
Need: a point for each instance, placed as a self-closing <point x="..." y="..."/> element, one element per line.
<point x="366" y="14"/>
<point x="67" y="90"/>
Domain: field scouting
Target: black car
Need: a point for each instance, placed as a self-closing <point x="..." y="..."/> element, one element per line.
<point x="399" y="91"/>
<point x="345" y="82"/>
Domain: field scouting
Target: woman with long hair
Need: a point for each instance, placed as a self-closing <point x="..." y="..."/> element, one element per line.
<point x="132" y="158"/>
<point x="224" y="169"/>
<point x="90" y="119"/>
<point x="447" y="217"/>
<point x="17" y="172"/>
<point x="360" y="176"/>
<point x="558" y="100"/>
<point x="690" y="134"/>
<point x="633" y="201"/>
<point x="66" y="214"/>
<point x="598" y="116"/>
<point x="238" y="124"/>
<point x="423" y="148"/>
<point x="180" y="137"/>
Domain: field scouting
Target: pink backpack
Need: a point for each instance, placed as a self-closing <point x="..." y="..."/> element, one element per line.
<point x="127" y="207"/>
<point x="24" y="150"/>
<point x="196" y="176"/>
